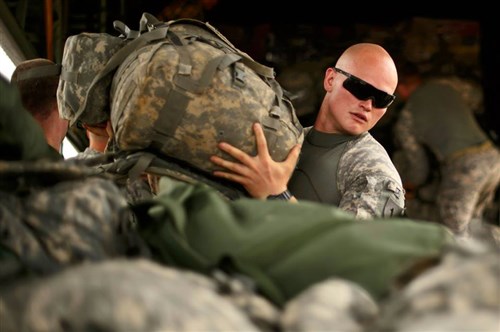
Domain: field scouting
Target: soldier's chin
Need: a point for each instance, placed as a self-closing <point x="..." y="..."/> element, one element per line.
<point x="355" y="130"/>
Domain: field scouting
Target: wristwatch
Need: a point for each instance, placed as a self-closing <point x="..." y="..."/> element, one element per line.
<point x="286" y="195"/>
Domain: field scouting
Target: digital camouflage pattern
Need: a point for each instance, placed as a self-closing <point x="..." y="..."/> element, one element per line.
<point x="183" y="95"/>
<point x="461" y="293"/>
<point x="240" y="291"/>
<point x="369" y="182"/>
<point x="56" y="214"/>
<point x="120" y="295"/>
<point x="84" y="56"/>
<point x="333" y="304"/>
<point x="353" y="173"/>
<point x="457" y="292"/>
<point x="88" y="153"/>
<point x="468" y="187"/>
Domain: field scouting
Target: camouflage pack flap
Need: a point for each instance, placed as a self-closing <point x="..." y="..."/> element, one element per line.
<point x="182" y="95"/>
<point x="88" y="66"/>
<point x="84" y="56"/>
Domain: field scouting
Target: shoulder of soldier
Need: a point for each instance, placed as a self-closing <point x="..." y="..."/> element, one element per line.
<point x="365" y="147"/>
<point x="366" y="155"/>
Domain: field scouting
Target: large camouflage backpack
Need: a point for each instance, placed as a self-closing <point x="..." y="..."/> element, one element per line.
<point x="178" y="88"/>
<point x="182" y="95"/>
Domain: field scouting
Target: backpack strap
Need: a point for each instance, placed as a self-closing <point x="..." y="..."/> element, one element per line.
<point x="245" y="58"/>
<point x="149" y="22"/>
<point x="125" y="30"/>
<point x="220" y="62"/>
<point x="132" y="164"/>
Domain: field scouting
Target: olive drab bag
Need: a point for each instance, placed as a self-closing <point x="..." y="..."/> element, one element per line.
<point x="181" y="95"/>
<point x="284" y="248"/>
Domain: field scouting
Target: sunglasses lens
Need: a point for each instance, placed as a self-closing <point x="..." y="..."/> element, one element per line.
<point x="364" y="91"/>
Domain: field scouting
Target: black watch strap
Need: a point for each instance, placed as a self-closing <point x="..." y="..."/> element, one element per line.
<point x="286" y="195"/>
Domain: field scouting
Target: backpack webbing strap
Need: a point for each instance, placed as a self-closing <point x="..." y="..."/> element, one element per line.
<point x="117" y="59"/>
<point x="257" y="67"/>
<point x="140" y="166"/>
<point x="170" y="116"/>
<point x="148" y="22"/>
<point x="220" y="62"/>
<point x="177" y="100"/>
<point x="245" y="58"/>
<point x="125" y="30"/>
<point x="76" y="78"/>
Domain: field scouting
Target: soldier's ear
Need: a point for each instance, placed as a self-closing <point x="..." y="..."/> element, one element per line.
<point x="328" y="80"/>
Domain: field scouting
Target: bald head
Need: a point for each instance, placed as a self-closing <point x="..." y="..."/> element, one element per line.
<point x="372" y="63"/>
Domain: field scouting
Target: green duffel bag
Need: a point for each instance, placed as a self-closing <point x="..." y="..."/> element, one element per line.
<point x="283" y="247"/>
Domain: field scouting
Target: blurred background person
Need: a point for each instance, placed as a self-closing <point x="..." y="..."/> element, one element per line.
<point x="37" y="81"/>
<point x="449" y="165"/>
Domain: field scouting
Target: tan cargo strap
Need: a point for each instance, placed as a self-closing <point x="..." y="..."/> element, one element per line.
<point x="245" y="58"/>
<point x="141" y="165"/>
<point x="125" y="30"/>
<point x="148" y="22"/>
<point x="133" y="165"/>
<point x="138" y="163"/>
<point x="487" y="145"/>
<point x="170" y="116"/>
<point x="218" y="63"/>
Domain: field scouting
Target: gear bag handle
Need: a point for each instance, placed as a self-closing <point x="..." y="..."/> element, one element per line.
<point x="151" y="22"/>
<point x="245" y="58"/>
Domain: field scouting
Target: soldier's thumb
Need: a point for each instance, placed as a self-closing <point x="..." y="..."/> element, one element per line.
<point x="293" y="155"/>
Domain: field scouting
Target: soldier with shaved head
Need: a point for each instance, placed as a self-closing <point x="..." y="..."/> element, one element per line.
<point x="340" y="162"/>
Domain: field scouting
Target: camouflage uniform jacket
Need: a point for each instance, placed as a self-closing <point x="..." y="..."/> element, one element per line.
<point x="418" y="130"/>
<point x="87" y="153"/>
<point x="354" y="173"/>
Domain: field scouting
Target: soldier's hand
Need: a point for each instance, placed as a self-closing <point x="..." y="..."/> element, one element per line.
<point x="260" y="175"/>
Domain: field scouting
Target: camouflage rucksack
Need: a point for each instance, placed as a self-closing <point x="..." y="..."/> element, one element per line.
<point x="181" y="95"/>
<point x="178" y="88"/>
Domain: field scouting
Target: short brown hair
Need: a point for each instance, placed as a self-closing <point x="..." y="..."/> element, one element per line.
<point x="37" y="83"/>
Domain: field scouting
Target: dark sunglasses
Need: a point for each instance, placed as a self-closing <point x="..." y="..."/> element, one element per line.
<point x="364" y="91"/>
